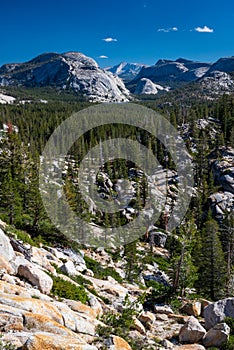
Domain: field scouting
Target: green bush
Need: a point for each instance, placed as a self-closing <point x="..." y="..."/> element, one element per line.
<point x="67" y="290"/>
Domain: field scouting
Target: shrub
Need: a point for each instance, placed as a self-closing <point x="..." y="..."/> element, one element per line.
<point x="67" y="290"/>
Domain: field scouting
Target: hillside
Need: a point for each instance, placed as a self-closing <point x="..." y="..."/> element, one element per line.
<point x="160" y="291"/>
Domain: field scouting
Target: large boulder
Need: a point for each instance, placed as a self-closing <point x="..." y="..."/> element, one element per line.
<point x="216" y="312"/>
<point x="6" y="250"/>
<point x="36" y="276"/>
<point x="217" y="335"/>
<point x="192" y="331"/>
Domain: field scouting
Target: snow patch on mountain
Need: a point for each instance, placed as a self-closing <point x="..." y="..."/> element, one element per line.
<point x="126" y="71"/>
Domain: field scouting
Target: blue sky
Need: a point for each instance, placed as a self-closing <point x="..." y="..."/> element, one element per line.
<point x="143" y="30"/>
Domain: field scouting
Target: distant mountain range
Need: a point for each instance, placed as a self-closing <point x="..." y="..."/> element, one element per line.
<point x="81" y="74"/>
<point x="126" y="71"/>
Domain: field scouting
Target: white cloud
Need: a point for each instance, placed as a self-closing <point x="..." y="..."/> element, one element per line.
<point x="109" y="40"/>
<point x="102" y="56"/>
<point x="167" y="30"/>
<point x="205" y="29"/>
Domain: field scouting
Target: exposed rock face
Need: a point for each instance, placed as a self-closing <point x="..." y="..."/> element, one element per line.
<point x="18" y="305"/>
<point x="71" y="70"/>
<point x="37" y="277"/>
<point x="216" y="312"/>
<point x="217" y="335"/>
<point x="6" y="250"/>
<point x="218" y="82"/>
<point x="192" y="331"/>
<point x="221" y="202"/>
<point x="48" y="341"/>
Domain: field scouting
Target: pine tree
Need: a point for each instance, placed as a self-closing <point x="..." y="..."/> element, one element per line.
<point x="211" y="262"/>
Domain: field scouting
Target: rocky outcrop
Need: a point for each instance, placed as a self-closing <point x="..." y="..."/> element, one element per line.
<point x="147" y="87"/>
<point x="192" y="331"/>
<point x="33" y="318"/>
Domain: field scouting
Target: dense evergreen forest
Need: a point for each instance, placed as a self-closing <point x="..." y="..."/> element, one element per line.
<point x="201" y="249"/>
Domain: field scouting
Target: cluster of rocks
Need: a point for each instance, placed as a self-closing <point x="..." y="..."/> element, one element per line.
<point x="32" y="318"/>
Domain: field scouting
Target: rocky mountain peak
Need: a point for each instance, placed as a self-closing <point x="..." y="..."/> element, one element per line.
<point x="70" y="70"/>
